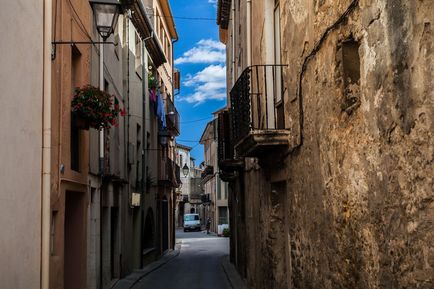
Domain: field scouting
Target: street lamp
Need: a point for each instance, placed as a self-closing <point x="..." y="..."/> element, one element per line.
<point x="106" y="14"/>
<point x="185" y="170"/>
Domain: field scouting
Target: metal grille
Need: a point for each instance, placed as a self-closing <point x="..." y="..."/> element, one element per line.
<point x="254" y="98"/>
<point x="225" y="149"/>
<point x="172" y="117"/>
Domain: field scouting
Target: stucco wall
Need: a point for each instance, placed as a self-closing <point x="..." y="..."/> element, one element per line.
<point x="21" y="138"/>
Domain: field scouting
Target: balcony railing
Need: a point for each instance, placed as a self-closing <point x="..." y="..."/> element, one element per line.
<point x="257" y="109"/>
<point x="172" y="118"/>
<point x="225" y="147"/>
<point x="228" y="164"/>
<point x="254" y="98"/>
<point x="209" y="170"/>
<point x="168" y="174"/>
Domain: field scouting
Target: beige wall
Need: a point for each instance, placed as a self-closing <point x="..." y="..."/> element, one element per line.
<point x="21" y="143"/>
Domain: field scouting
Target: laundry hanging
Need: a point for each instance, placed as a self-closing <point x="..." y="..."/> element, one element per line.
<point x="160" y="110"/>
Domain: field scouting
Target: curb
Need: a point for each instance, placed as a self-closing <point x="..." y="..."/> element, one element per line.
<point x="131" y="280"/>
<point x="232" y="275"/>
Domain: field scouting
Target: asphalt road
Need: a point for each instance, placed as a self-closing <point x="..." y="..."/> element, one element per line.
<point x="198" y="265"/>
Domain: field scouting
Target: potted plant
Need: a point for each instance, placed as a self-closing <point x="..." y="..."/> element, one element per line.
<point x="92" y="107"/>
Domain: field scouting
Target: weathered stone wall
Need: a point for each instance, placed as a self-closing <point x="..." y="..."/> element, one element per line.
<point x="358" y="209"/>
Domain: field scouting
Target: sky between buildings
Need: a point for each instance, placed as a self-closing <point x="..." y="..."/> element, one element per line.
<point x="201" y="59"/>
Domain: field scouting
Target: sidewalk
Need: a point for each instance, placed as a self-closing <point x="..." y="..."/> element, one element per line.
<point x="132" y="279"/>
<point x="232" y="274"/>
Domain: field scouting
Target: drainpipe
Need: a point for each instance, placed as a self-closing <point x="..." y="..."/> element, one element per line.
<point x="46" y="148"/>
<point x="101" y="130"/>
<point x="145" y="104"/>
<point x="249" y="32"/>
<point x="174" y="156"/>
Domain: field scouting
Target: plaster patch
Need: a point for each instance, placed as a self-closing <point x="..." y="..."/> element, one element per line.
<point x="298" y="10"/>
<point x="369" y="58"/>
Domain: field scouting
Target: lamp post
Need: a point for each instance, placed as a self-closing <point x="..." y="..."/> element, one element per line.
<point x="185" y="170"/>
<point x="105" y="14"/>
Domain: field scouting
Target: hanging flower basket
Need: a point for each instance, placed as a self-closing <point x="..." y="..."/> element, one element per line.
<point x="93" y="107"/>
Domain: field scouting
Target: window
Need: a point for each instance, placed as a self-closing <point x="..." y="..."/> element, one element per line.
<point x="280" y="114"/>
<point x="351" y="76"/>
<point x="75" y="132"/>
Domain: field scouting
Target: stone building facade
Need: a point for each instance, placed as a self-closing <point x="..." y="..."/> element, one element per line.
<point x="213" y="186"/>
<point x="331" y="179"/>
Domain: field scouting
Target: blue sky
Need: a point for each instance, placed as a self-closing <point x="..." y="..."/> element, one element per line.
<point x="201" y="59"/>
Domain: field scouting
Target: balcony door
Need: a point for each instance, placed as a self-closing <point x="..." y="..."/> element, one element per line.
<point x="273" y="72"/>
<point x="278" y="91"/>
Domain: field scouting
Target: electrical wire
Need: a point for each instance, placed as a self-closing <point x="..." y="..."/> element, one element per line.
<point x="183" y="17"/>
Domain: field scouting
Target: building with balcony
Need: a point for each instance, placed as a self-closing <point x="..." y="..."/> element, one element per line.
<point x="190" y="191"/>
<point x="214" y="188"/>
<point x="324" y="119"/>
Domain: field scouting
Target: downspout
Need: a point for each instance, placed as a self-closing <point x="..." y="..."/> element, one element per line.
<point x="249" y="32"/>
<point x="101" y="130"/>
<point x="144" y="144"/>
<point x="174" y="157"/>
<point x="46" y="148"/>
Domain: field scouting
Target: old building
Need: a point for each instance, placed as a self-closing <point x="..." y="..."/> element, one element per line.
<point x="70" y="146"/>
<point x="215" y="189"/>
<point x="112" y="215"/>
<point x="190" y="192"/>
<point x="329" y="139"/>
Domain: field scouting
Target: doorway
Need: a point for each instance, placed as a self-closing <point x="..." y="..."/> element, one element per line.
<point x="75" y="241"/>
<point x="165" y="223"/>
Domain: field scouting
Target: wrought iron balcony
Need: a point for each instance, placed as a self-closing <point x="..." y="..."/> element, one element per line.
<point x="227" y="162"/>
<point x="258" y="124"/>
<point x="172" y="118"/>
<point x="167" y="176"/>
<point x="207" y="173"/>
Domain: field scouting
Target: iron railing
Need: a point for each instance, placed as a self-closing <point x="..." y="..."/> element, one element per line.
<point x="208" y="171"/>
<point x="225" y="147"/>
<point x="256" y="99"/>
<point x="169" y="171"/>
<point x="172" y="118"/>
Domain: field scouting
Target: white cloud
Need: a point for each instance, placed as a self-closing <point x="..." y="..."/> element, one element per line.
<point x="209" y="83"/>
<point x="205" y="51"/>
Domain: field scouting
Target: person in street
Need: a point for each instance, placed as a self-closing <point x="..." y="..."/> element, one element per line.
<point x="208" y="225"/>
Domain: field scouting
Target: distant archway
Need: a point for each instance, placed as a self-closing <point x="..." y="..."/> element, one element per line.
<point x="148" y="238"/>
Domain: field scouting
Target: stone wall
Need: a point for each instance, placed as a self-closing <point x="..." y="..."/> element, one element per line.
<point x="357" y="208"/>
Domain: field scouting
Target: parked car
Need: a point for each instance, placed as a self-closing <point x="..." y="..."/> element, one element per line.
<point x="192" y="222"/>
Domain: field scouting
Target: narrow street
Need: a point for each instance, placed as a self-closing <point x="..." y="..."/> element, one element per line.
<point x="198" y="265"/>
